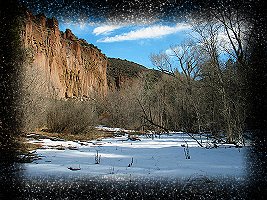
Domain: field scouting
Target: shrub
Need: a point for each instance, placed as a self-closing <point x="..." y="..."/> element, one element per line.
<point x="71" y="116"/>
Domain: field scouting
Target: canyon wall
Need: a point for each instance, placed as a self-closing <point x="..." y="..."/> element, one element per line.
<point x="71" y="66"/>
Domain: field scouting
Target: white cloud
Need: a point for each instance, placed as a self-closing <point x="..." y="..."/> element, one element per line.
<point x="170" y="51"/>
<point x="155" y="31"/>
<point x="105" y="29"/>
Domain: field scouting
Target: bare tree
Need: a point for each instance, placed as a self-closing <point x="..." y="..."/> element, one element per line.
<point x="183" y="62"/>
<point x="222" y="80"/>
<point x="237" y="29"/>
<point x="184" y="57"/>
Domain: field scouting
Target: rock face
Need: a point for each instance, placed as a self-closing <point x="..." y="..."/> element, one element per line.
<point x="72" y="67"/>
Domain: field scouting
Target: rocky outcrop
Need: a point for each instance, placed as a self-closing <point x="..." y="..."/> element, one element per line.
<point x="73" y="68"/>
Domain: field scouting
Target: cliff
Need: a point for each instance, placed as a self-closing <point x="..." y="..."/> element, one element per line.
<point x="71" y="66"/>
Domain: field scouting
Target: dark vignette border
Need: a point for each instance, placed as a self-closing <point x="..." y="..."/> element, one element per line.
<point x="11" y="59"/>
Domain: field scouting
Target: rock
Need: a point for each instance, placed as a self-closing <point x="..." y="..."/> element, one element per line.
<point x="83" y="143"/>
<point x="72" y="67"/>
<point x="74" y="169"/>
<point x="134" y="138"/>
<point x="60" y="147"/>
<point x="72" y="148"/>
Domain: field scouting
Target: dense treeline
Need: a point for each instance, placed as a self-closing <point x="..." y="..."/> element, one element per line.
<point x="176" y="102"/>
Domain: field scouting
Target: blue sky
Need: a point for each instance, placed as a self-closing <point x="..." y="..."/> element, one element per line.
<point x="130" y="41"/>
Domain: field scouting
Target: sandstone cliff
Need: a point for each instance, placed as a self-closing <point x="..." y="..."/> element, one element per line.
<point x="72" y="67"/>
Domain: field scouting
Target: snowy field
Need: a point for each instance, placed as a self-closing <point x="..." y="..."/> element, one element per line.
<point x="170" y="156"/>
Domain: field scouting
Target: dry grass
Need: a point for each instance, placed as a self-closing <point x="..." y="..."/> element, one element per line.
<point x="31" y="146"/>
<point x="26" y="147"/>
<point x="92" y="135"/>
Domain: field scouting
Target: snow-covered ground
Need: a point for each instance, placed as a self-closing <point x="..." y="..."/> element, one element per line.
<point x="124" y="158"/>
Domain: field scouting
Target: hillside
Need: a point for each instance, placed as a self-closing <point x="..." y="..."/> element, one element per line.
<point x="122" y="73"/>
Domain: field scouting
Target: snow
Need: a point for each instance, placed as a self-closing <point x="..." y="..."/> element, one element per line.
<point x="121" y="157"/>
<point x="104" y="128"/>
